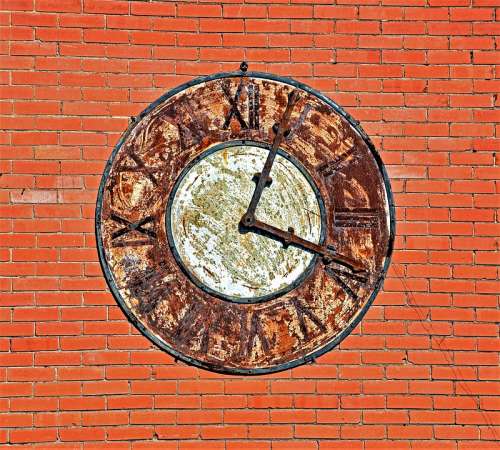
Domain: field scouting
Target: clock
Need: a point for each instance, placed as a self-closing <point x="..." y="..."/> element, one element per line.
<point x="244" y="223"/>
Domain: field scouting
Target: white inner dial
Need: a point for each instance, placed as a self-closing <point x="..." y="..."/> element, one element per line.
<point x="207" y="207"/>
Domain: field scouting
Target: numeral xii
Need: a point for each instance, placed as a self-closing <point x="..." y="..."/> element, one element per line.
<point x="253" y="100"/>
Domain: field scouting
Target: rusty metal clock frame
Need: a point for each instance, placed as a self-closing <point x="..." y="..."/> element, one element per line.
<point x="187" y="318"/>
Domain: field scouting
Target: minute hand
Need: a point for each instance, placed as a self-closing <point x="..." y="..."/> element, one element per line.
<point x="264" y="175"/>
<point x="289" y="238"/>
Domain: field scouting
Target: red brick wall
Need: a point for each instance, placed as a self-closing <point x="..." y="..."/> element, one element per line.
<point x="419" y="372"/>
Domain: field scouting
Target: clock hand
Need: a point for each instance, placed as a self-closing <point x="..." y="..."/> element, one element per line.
<point x="263" y="179"/>
<point x="290" y="238"/>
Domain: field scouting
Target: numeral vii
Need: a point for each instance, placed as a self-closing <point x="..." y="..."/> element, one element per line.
<point x="251" y="331"/>
<point x="194" y="326"/>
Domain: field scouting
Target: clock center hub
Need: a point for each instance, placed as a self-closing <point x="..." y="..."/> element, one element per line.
<point x="204" y="211"/>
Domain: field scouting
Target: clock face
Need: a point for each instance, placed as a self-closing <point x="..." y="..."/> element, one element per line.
<point x="244" y="223"/>
<point x="205" y="209"/>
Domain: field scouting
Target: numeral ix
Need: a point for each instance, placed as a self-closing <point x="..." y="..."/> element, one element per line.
<point x="128" y="228"/>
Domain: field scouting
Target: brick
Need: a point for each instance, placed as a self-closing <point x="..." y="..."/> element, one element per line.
<point x="293" y="11"/>
<point x="455" y="432"/>
<point x="178" y="401"/>
<point x="409" y="432"/>
<point x="363" y="431"/>
<point x="317" y="431"/>
<point x="81" y="403"/>
<point x="175" y="24"/>
<point x="20" y="5"/>
<point x="34" y="435"/>
<point x="33" y="404"/>
<point x="335" y="12"/>
<point x="364" y="402"/>
<point x="105" y="418"/>
<point x="154" y="8"/>
<point x="199" y="10"/>
<point x="284" y="387"/>
<point x="16" y="420"/>
<point x="245" y="11"/>
<point x="156" y="38"/>
<point x="221" y="25"/>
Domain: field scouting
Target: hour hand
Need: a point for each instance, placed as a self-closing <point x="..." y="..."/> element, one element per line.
<point x="290" y="238"/>
<point x="263" y="178"/>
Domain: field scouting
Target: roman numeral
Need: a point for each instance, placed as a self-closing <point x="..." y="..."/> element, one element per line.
<point x="140" y="166"/>
<point x="356" y="218"/>
<point x="249" y="333"/>
<point x="190" y="127"/>
<point x="194" y="133"/>
<point x="193" y="326"/>
<point x="253" y="106"/>
<point x="128" y="228"/>
<point x="253" y="99"/>
<point x="329" y="168"/>
<point x="302" y="312"/>
<point x="298" y="123"/>
<point x="233" y="101"/>
<point x="350" y="282"/>
<point x="148" y="287"/>
<point x="189" y="137"/>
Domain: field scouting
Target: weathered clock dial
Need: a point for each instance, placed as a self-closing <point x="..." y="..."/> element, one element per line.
<point x="244" y="223"/>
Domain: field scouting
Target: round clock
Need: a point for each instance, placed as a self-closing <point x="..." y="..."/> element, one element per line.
<point x="244" y="223"/>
